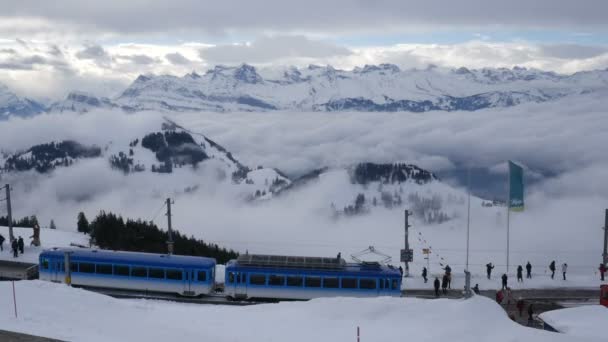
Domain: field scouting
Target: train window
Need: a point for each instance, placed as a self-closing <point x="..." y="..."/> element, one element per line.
<point x="381" y="283"/>
<point x="104" y="269"/>
<point x="231" y="277"/>
<point x="313" y="281"/>
<point x="349" y="283"/>
<point x="74" y="267"/>
<point x="139" y="272"/>
<point x="276" y="280"/>
<point x="85" y="267"/>
<point x="395" y="284"/>
<point x="387" y="284"/>
<point x="367" y="283"/>
<point x="45" y="264"/>
<point x="156" y="273"/>
<point x="202" y="276"/>
<point x="295" y="281"/>
<point x="257" y="279"/>
<point x="330" y="282"/>
<point x="175" y="274"/>
<point x="243" y="278"/>
<point x="121" y="270"/>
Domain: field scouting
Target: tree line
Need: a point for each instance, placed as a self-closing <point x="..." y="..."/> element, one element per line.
<point x="111" y="231"/>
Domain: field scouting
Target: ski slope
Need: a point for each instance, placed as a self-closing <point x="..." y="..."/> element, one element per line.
<point x="58" y="311"/>
<point x="580" y="322"/>
<point x="49" y="238"/>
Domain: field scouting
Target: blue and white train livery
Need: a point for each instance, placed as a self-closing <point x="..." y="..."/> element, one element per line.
<point x="290" y="277"/>
<point x="184" y="275"/>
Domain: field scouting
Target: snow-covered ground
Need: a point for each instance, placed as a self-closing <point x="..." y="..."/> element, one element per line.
<point x="580" y="322"/>
<point x="49" y="238"/>
<point x="58" y="311"/>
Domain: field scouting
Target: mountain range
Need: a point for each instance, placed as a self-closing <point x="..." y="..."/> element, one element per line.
<point x="383" y="88"/>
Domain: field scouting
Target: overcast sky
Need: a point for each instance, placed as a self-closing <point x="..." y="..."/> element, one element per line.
<point x="49" y="48"/>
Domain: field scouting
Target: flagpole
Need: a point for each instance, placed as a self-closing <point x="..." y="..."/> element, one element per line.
<point x="508" y="212"/>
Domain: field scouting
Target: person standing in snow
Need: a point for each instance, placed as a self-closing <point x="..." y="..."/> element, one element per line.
<point x="424" y="273"/>
<point x="520" y="274"/>
<point x="1" y="242"/>
<point x="602" y="271"/>
<point x="20" y="244"/>
<point x="564" y="270"/>
<point x="401" y="271"/>
<point x="476" y="288"/>
<point x="520" y="306"/>
<point x="444" y="284"/>
<point x="436" y="284"/>
<point x="499" y="297"/>
<point x="448" y="273"/>
<point x="530" y="313"/>
<point x="489" y="268"/>
<point x="552" y="268"/>
<point x="504" y="281"/>
<point x="528" y="270"/>
<point x="15" y="248"/>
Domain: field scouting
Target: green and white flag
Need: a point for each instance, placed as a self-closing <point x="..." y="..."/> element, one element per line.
<point x="516" y="187"/>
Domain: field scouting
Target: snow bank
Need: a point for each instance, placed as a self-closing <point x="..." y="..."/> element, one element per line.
<point x="582" y="321"/>
<point x="58" y="311"/>
<point x="49" y="238"/>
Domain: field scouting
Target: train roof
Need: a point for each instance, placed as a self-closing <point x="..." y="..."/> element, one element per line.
<point x="290" y="264"/>
<point x="140" y="258"/>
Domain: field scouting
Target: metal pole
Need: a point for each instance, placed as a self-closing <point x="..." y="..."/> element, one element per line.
<point x="407" y="244"/>
<point x="170" y="241"/>
<point x="508" y="214"/>
<point x="468" y="216"/>
<point x="9" y="213"/>
<point x="605" y="254"/>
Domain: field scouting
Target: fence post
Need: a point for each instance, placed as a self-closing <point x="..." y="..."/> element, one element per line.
<point x="358" y="339"/>
<point x="14" y="299"/>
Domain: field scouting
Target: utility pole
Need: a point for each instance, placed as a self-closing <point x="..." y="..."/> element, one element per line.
<point x="605" y="254"/>
<point x="406" y="254"/>
<point x="170" y="241"/>
<point x="9" y="212"/>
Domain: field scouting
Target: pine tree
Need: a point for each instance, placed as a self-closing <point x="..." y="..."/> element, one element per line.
<point x="52" y="225"/>
<point x="83" y="223"/>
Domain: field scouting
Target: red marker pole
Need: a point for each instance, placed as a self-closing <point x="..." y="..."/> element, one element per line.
<point x="14" y="299"/>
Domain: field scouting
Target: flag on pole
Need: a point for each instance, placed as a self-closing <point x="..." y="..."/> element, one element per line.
<point x="516" y="187"/>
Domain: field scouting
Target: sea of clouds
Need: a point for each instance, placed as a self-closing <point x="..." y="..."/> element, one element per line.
<point x="562" y="146"/>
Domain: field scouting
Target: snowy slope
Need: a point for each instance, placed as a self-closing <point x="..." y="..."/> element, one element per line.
<point x="11" y="104"/>
<point x="372" y="88"/>
<point x="49" y="238"/>
<point x="81" y="102"/>
<point x="59" y="311"/>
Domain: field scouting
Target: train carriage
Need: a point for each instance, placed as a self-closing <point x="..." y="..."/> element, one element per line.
<point x="184" y="275"/>
<point x="291" y="277"/>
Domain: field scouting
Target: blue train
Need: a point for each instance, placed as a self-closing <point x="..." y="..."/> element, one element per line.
<point x="185" y="275"/>
<point x="249" y="276"/>
<point x="291" y="277"/>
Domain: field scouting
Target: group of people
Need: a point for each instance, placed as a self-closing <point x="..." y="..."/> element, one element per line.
<point x="17" y="245"/>
<point x="446" y="281"/>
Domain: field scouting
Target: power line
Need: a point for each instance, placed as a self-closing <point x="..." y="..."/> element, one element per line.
<point x="158" y="212"/>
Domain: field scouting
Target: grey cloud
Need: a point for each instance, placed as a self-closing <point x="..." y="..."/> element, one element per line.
<point x="138" y="59"/>
<point x="572" y="51"/>
<point x="313" y="15"/>
<point x="8" y="51"/>
<point x="268" y="49"/>
<point x="17" y="62"/>
<point x="177" y="58"/>
<point x="92" y="52"/>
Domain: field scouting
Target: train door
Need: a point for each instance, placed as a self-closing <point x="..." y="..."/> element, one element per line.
<point x="240" y="282"/>
<point x="189" y="281"/>
<point x="56" y="270"/>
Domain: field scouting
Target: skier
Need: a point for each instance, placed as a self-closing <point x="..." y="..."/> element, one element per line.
<point x="564" y="270"/>
<point x="489" y="268"/>
<point x="20" y="244"/>
<point x="528" y="270"/>
<point x="424" y="272"/>
<point x="436" y="284"/>
<point x="504" y="281"/>
<point x="520" y="276"/>
<point x="552" y="268"/>
<point x="602" y="271"/>
<point x="1" y="242"/>
<point x="476" y="288"/>
<point x="444" y="284"/>
<point x="15" y="248"/>
<point x="520" y="306"/>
